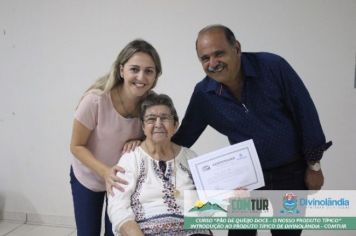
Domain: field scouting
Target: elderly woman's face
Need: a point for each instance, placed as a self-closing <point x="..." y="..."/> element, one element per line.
<point x="158" y="124"/>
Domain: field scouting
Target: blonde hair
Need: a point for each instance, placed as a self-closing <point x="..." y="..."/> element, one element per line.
<point x="107" y="82"/>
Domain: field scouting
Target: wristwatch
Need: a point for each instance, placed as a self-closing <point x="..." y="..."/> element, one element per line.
<point x="315" y="165"/>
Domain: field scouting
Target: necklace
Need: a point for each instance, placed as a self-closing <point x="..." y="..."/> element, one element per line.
<point x="176" y="192"/>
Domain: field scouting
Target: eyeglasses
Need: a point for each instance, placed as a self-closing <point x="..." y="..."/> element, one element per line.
<point x="164" y="118"/>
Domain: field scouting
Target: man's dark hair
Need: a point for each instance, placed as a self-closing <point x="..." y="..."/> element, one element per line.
<point x="229" y="35"/>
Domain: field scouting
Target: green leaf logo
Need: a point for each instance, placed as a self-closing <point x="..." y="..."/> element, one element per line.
<point x="199" y="206"/>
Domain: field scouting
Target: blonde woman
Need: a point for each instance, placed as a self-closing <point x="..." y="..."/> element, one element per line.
<point x="106" y="124"/>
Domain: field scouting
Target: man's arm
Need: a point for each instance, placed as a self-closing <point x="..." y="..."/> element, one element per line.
<point x="305" y="115"/>
<point x="304" y="112"/>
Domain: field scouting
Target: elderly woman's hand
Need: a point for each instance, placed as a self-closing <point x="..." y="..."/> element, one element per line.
<point x="130" y="145"/>
<point x="113" y="181"/>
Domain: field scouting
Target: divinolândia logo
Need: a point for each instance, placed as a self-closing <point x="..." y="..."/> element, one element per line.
<point x="290" y="203"/>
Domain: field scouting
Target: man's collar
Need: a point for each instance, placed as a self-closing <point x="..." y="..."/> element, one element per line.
<point x="212" y="85"/>
<point x="247" y="66"/>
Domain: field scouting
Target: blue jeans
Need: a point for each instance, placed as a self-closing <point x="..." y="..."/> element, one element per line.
<point x="88" y="207"/>
<point x="287" y="177"/>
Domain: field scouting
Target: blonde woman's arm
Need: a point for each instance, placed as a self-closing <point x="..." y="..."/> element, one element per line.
<point x="78" y="147"/>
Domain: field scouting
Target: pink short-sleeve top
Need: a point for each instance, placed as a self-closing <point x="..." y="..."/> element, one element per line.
<point x="109" y="132"/>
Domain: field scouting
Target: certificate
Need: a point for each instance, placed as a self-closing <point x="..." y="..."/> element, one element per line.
<point x="226" y="169"/>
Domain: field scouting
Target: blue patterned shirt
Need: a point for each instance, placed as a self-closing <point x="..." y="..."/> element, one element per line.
<point x="275" y="110"/>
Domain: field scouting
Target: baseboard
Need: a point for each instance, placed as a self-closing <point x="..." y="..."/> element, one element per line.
<point x="38" y="219"/>
<point x="19" y="217"/>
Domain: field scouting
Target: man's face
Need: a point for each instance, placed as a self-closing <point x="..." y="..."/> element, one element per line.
<point x="220" y="60"/>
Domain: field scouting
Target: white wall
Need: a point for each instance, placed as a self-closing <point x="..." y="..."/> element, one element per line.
<point x="51" y="51"/>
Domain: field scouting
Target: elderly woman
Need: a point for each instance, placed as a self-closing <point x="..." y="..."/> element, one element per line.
<point x="158" y="174"/>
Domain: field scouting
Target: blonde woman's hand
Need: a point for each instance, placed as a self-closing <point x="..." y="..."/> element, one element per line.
<point x="130" y="145"/>
<point x="113" y="181"/>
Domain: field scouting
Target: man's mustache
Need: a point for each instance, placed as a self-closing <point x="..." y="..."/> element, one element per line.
<point x="216" y="68"/>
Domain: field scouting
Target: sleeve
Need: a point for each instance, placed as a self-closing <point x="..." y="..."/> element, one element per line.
<point x="193" y="123"/>
<point x="87" y="111"/>
<point x="305" y="115"/>
<point x="119" y="206"/>
<point x="184" y="165"/>
<point x="187" y="155"/>
<point x="190" y="154"/>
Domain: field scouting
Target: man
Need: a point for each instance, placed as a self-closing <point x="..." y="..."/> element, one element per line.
<point x="257" y="96"/>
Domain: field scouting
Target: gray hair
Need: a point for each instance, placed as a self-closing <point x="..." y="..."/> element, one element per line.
<point x="154" y="99"/>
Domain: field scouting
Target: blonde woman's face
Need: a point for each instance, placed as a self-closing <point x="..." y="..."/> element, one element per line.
<point x="139" y="74"/>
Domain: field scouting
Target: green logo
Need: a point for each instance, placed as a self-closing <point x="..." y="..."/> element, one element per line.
<point x="200" y="206"/>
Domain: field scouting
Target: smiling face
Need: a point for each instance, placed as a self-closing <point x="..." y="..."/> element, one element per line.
<point x="139" y="74"/>
<point x="158" y="124"/>
<point x="221" y="61"/>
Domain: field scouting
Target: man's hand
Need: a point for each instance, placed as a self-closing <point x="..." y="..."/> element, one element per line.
<point x="314" y="180"/>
